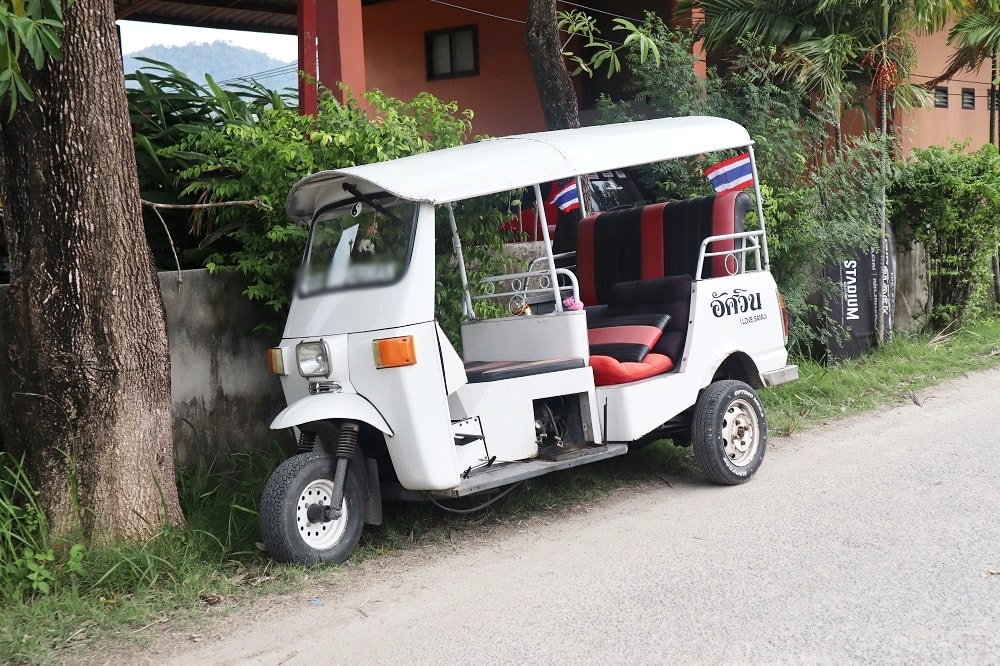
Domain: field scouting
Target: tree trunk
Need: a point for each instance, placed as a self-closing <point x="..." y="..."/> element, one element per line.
<point x="993" y="98"/>
<point x="996" y="275"/>
<point x="87" y="384"/>
<point x="883" y="260"/>
<point x="555" y="88"/>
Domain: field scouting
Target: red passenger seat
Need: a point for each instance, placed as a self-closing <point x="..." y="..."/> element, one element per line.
<point x="628" y="302"/>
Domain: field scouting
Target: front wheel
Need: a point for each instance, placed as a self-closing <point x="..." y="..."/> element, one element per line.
<point x="729" y="432"/>
<point x="293" y="523"/>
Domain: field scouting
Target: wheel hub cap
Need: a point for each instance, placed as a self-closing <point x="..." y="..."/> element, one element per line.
<point x="318" y="533"/>
<point x="740" y="433"/>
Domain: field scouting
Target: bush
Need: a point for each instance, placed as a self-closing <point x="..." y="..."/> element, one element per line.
<point x="166" y="107"/>
<point x="264" y="159"/>
<point x="949" y="201"/>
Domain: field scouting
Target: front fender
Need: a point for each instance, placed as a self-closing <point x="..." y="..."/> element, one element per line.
<point x="330" y="406"/>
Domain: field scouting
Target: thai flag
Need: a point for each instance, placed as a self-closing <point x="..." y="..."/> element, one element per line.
<point x="736" y="173"/>
<point x="567" y="198"/>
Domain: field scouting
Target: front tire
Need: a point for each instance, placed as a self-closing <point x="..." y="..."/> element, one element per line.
<point x="289" y="534"/>
<point x="729" y="432"/>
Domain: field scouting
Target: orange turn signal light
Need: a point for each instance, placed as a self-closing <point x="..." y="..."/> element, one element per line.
<point x="394" y="352"/>
<point x="275" y="361"/>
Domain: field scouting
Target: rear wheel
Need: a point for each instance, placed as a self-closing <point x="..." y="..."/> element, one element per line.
<point x="729" y="432"/>
<point x="295" y="518"/>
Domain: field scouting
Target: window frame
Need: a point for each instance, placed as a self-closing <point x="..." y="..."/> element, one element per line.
<point x="968" y="99"/>
<point x="429" y="38"/>
<point x="938" y="91"/>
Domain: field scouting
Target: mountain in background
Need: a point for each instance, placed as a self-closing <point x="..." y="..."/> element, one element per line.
<point x="224" y="61"/>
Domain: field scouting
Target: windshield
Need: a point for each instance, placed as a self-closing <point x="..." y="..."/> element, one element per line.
<point x="613" y="189"/>
<point x="359" y="244"/>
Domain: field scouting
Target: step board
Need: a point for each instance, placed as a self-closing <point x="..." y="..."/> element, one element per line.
<point x="502" y="474"/>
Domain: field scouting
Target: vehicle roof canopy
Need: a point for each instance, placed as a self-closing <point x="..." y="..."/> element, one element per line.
<point x="507" y="163"/>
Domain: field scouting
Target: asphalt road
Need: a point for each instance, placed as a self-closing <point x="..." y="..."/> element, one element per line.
<point x="869" y="540"/>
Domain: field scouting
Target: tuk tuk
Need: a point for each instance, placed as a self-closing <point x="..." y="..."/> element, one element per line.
<point x="681" y="322"/>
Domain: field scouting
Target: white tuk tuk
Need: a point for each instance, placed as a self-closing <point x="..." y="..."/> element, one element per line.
<point x="682" y="322"/>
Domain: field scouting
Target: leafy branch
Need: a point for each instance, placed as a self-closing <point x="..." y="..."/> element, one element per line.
<point x="30" y="27"/>
<point x="577" y="23"/>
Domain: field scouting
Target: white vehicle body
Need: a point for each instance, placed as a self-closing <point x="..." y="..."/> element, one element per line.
<point x="447" y="436"/>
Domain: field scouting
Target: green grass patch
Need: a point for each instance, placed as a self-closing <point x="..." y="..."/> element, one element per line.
<point x="895" y="373"/>
<point x="101" y="597"/>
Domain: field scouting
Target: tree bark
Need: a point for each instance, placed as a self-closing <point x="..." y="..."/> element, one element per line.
<point x="87" y="382"/>
<point x="555" y="88"/>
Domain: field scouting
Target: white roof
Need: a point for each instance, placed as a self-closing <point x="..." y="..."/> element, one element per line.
<point x="506" y="163"/>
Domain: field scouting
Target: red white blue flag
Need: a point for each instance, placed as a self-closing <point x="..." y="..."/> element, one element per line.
<point x="736" y="173"/>
<point x="566" y="198"/>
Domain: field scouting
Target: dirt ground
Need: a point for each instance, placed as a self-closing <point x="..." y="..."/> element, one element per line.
<point x="865" y="539"/>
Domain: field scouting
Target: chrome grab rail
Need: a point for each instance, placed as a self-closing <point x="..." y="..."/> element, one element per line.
<point x="520" y="289"/>
<point x="754" y="246"/>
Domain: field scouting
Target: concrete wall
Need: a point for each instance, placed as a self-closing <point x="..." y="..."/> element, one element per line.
<point x="911" y="288"/>
<point x="224" y="398"/>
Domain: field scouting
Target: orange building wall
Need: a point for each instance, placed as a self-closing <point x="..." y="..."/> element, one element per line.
<point x="930" y="126"/>
<point x="503" y="95"/>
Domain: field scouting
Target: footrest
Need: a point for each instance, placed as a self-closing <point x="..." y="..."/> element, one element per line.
<point x="491" y="371"/>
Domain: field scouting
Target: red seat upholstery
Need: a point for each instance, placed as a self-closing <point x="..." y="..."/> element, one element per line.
<point x="626" y="338"/>
<point x="609" y="371"/>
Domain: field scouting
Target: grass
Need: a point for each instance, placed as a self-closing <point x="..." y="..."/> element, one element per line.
<point x="123" y="595"/>
<point x="893" y="374"/>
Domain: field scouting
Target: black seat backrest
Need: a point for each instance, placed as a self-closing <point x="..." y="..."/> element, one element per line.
<point x="667" y="295"/>
<point x="687" y="223"/>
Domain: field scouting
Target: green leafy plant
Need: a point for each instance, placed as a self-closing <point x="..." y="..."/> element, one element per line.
<point x="263" y="160"/>
<point x="31" y="27"/>
<point x="24" y="549"/>
<point x="600" y="52"/>
<point x="166" y="107"/>
<point x="949" y="201"/>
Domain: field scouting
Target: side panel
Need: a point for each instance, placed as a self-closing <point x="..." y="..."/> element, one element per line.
<point x="529" y="338"/>
<point x="454" y="370"/>
<point x="414" y="403"/>
<point x="730" y="314"/>
<point x="506" y="413"/>
<point x="637" y="408"/>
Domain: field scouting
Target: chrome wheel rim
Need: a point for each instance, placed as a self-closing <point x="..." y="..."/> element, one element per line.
<point x="319" y="535"/>
<point x="740" y="433"/>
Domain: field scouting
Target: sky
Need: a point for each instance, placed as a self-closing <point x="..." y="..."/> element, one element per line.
<point x="138" y="35"/>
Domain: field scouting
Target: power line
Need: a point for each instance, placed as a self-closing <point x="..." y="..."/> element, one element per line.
<point x="600" y="11"/>
<point x="476" y="11"/>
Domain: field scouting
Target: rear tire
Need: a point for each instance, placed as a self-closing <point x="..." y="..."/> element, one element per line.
<point x="302" y="481"/>
<point x="729" y="432"/>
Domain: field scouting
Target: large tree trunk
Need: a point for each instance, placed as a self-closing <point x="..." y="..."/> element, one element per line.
<point x="555" y="88"/>
<point x="87" y="386"/>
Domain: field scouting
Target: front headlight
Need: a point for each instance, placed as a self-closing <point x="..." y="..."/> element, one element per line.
<point x="313" y="359"/>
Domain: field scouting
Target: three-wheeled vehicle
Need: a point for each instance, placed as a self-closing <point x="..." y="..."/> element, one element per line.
<point x="682" y="322"/>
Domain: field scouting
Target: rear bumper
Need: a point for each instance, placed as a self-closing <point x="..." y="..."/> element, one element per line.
<point x="780" y="376"/>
